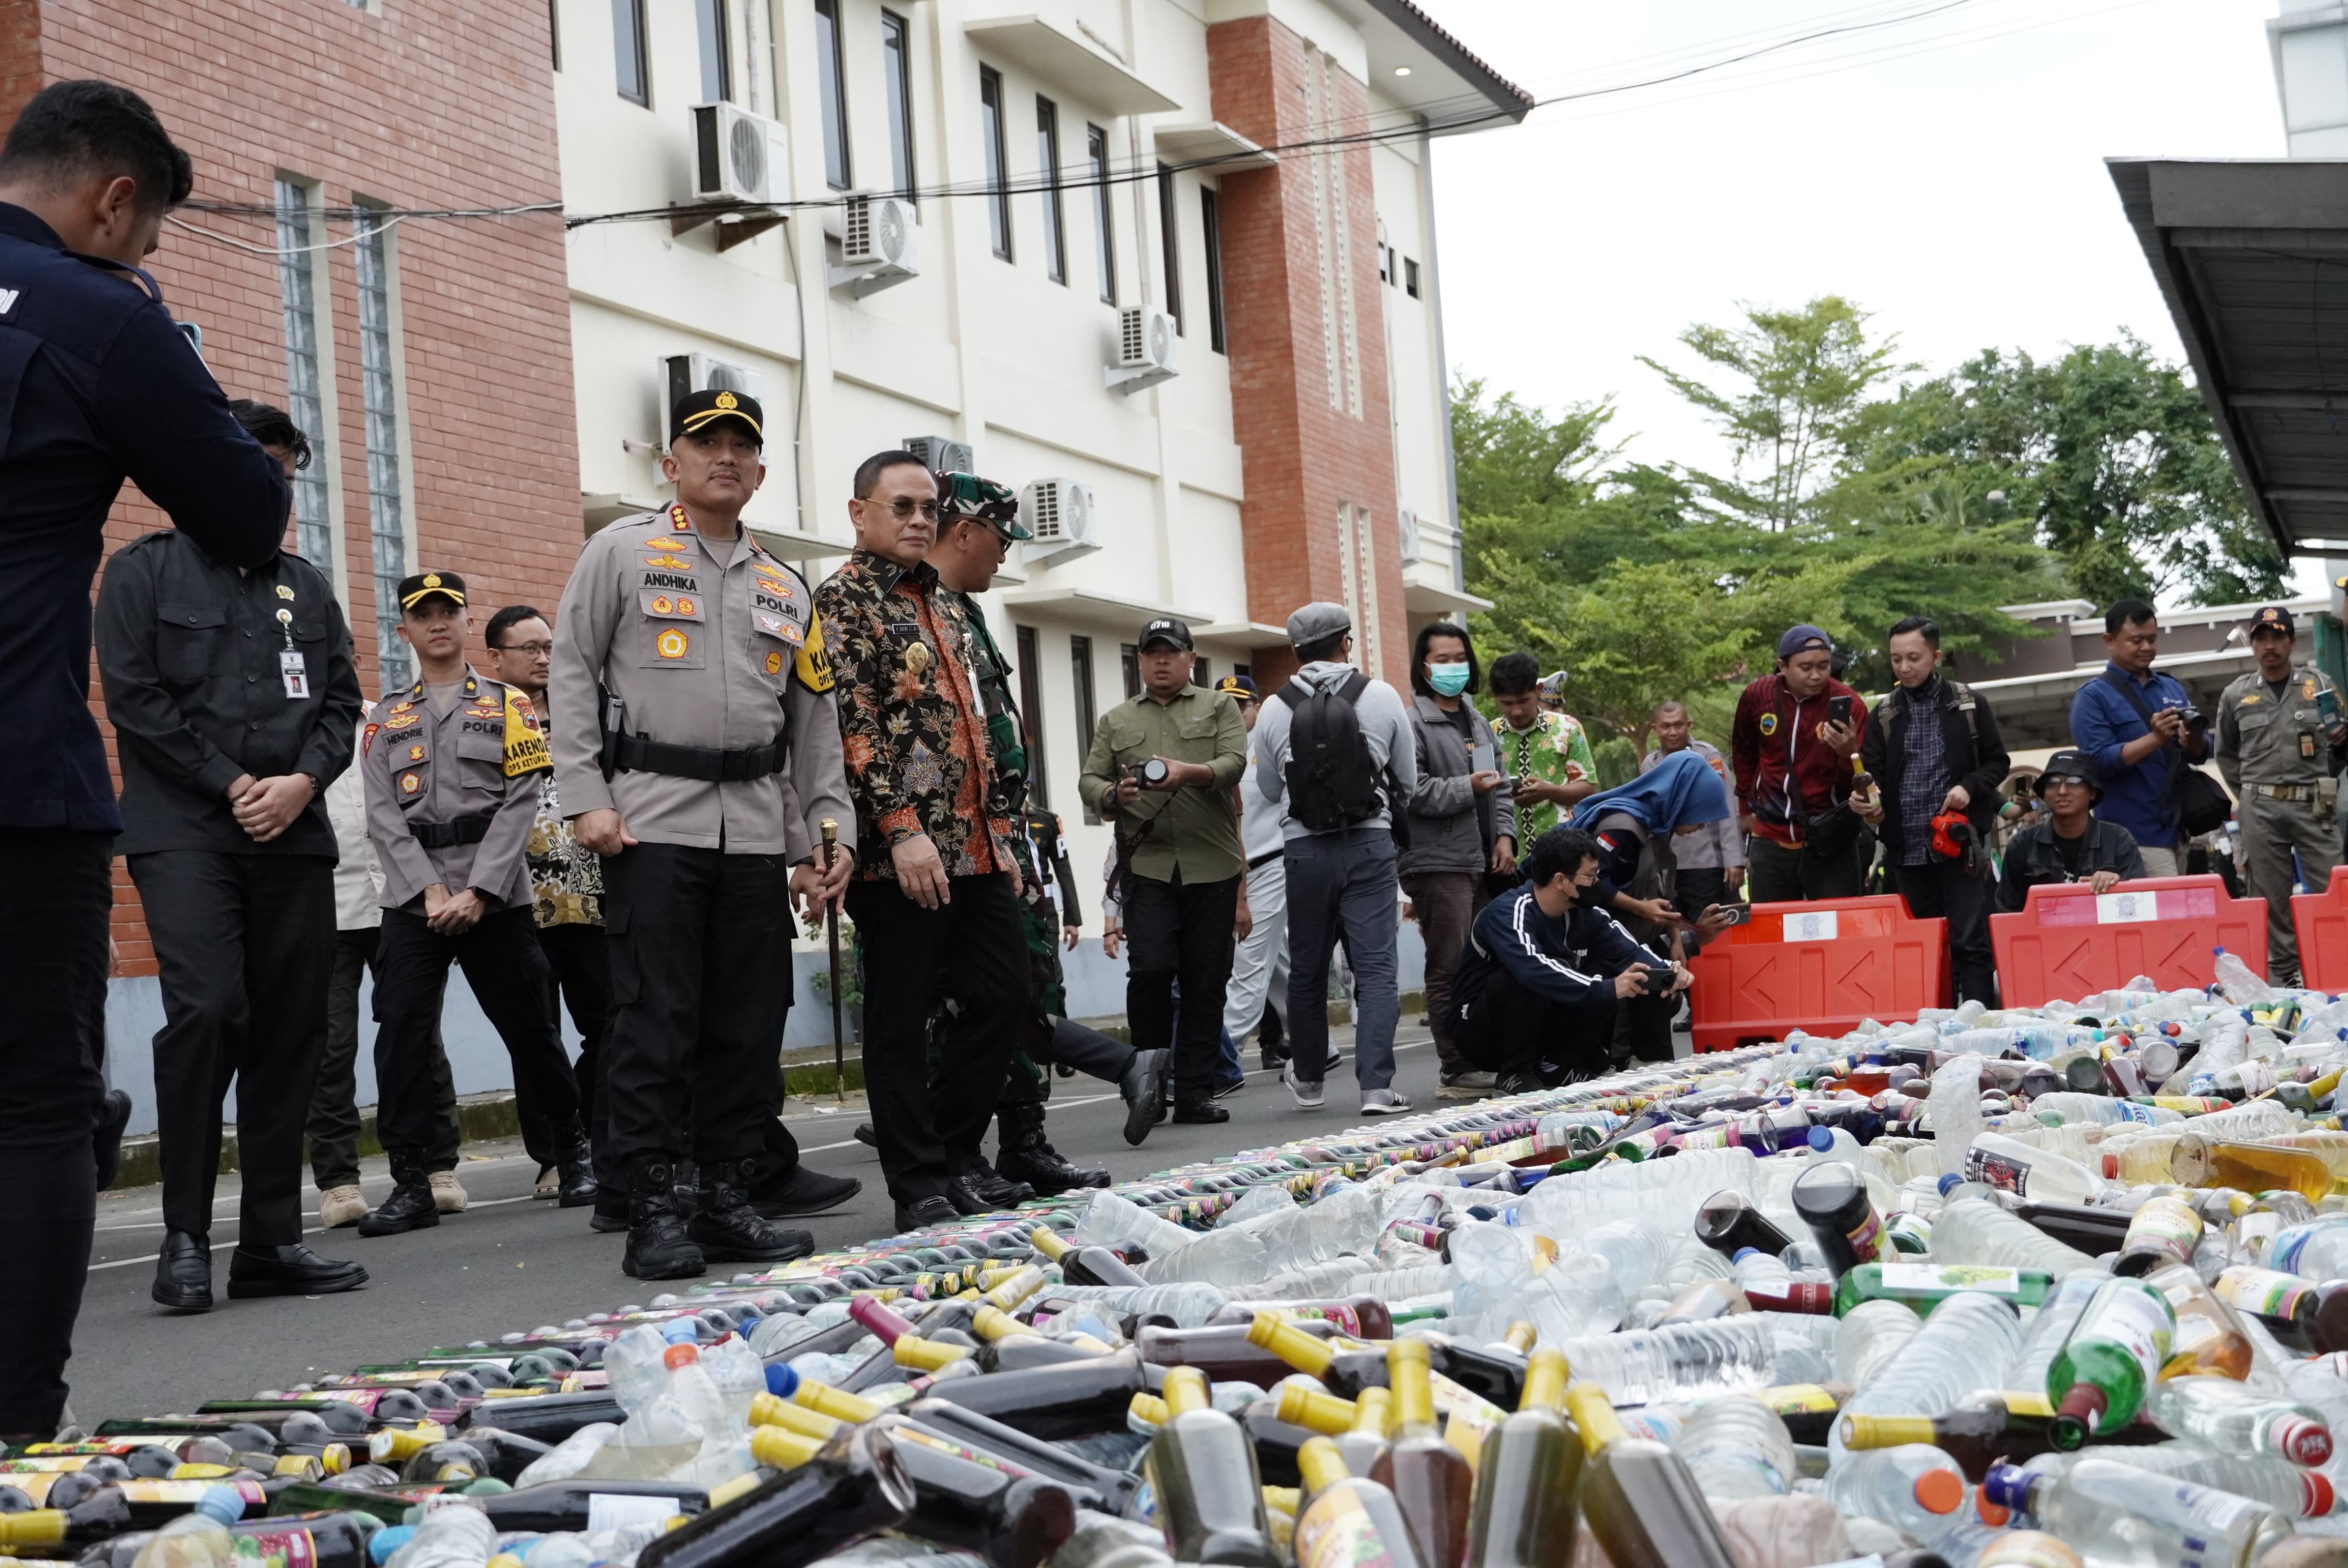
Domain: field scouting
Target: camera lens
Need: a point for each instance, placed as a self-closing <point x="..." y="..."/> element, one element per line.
<point x="1153" y="771"/>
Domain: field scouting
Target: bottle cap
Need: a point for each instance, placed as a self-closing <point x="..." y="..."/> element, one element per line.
<point x="2081" y="1410"/>
<point x="1150" y="1410"/>
<point x="1309" y="1407"/>
<point x="781" y="1381"/>
<point x="1050" y="1242"/>
<point x="778" y="1448"/>
<point x="1952" y="1181"/>
<point x="1885" y="1431"/>
<point x="1285" y="1500"/>
<point x="837" y="1402"/>
<point x="927" y="1355"/>
<point x="677" y="1356"/>
<point x="1371" y="1410"/>
<point x="2303" y="1442"/>
<point x="388" y="1540"/>
<point x="680" y="1330"/>
<point x="1185" y="1389"/>
<point x="1593" y="1412"/>
<point x="1320" y="1465"/>
<point x="1940" y="1492"/>
<point x="1270" y="1332"/>
<point x="224" y="1503"/>
<point x="2008" y="1486"/>
<point x="1820" y="1139"/>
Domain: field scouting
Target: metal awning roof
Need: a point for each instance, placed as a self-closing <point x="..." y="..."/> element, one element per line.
<point x="2252" y="259"/>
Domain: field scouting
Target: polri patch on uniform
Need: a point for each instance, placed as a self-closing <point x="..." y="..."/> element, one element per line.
<point x="366" y="742"/>
<point x="403" y="720"/>
<point x="774" y="663"/>
<point x="409" y="783"/>
<point x="662" y="604"/>
<point x="671" y="581"/>
<point x="415" y="753"/>
<point x="684" y="606"/>
<point x="672" y="643"/>
<point x="673" y="563"/>
<point x="286" y="593"/>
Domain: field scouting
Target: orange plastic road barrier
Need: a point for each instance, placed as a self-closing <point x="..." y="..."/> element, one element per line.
<point x="1818" y="966"/>
<point x="2068" y="942"/>
<point x="2322" y="920"/>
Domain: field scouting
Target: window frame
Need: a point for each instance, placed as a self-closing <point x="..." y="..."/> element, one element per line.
<point x="1087" y="705"/>
<point x="554" y="33"/>
<point x="1211" y="234"/>
<point x="305" y="292"/>
<point x="1047" y="158"/>
<point x="1028" y="642"/>
<point x="1097" y="169"/>
<point x="1410" y="277"/>
<point x="1169" y="246"/>
<point x="383" y="398"/>
<point x="1129" y="656"/>
<point x="897" y="39"/>
<point x="994" y="135"/>
<point x="631" y="46"/>
<point x="832" y="95"/>
<point x="711" y="33"/>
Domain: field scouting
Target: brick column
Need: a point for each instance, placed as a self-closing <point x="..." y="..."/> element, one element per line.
<point x="1303" y="453"/>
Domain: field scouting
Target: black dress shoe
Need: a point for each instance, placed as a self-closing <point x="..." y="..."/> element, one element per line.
<point x="183" y="1274"/>
<point x="113" y="1115"/>
<point x="866" y="1136"/>
<point x="411" y="1206"/>
<point x="1142" y="1088"/>
<point x="1041" y="1167"/>
<point x="1204" y="1111"/>
<point x="994" y="1186"/>
<point x="803" y="1191"/>
<point x="926" y="1213"/>
<point x="293" y="1270"/>
<point x="962" y="1193"/>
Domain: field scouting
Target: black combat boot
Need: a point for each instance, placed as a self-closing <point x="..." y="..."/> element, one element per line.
<point x="575" y="1160"/>
<point x="729" y="1230"/>
<point x="658" y="1247"/>
<point x="410" y="1206"/>
<point x="1035" y="1162"/>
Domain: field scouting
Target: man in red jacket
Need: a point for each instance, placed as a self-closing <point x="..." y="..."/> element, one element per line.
<point x="1792" y="745"/>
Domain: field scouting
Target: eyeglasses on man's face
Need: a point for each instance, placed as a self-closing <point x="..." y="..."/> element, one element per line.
<point x="904" y="507"/>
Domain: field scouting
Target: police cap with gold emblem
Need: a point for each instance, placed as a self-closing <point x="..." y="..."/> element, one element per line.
<point x="2276" y="617"/>
<point x="425" y="584"/>
<point x="698" y="412"/>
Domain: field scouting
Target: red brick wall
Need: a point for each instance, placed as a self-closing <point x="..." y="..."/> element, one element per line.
<point x="432" y="103"/>
<point x="1299" y="457"/>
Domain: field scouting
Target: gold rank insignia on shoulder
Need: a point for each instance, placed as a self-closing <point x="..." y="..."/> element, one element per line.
<point x="677" y="520"/>
<point x="286" y="593"/>
<point x="918" y="658"/>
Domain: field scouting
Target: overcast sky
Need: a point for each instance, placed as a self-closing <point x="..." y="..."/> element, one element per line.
<point x="1945" y="174"/>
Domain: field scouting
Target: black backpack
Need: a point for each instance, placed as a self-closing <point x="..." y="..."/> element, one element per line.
<point x="1332" y="781"/>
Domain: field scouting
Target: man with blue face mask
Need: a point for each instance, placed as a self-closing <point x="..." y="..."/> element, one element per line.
<point x="1462" y="822"/>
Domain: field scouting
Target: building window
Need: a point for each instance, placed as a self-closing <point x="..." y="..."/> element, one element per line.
<point x="380" y="381"/>
<point x="1202" y="674"/>
<point x="1129" y="655"/>
<point x="1210" y="231"/>
<point x="717" y="56"/>
<point x="991" y="149"/>
<point x="1031" y="714"/>
<point x="1104" y="231"/>
<point x="1080" y="681"/>
<point x="554" y="31"/>
<point x="897" y="71"/>
<point x="831" y="81"/>
<point x="1047" y="164"/>
<point x="633" y="79"/>
<point x="1410" y="277"/>
<point x="297" y="285"/>
<point x="1170" y="232"/>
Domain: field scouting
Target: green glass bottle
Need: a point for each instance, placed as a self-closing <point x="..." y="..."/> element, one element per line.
<point x="1527" y="1478"/>
<point x="2098" y="1379"/>
<point x="1924" y="1287"/>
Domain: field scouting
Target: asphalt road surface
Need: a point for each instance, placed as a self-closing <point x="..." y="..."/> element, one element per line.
<point x="511" y="1263"/>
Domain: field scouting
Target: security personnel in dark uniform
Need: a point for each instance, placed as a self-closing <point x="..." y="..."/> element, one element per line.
<point x="696" y="746"/>
<point x="1026" y="1161"/>
<point x="96" y="385"/>
<point x="234" y="703"/>
<point x="451" y="767"/>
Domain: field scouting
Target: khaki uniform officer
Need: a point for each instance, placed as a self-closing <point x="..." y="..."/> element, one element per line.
<point x="450" y="767"/>
<point x="2279" y="747"/>
<point x="696" y="747"/>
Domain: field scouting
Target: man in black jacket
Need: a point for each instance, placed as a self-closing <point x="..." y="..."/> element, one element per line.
<point x="1935" y="752"/>
<point x="2071" y="844"/>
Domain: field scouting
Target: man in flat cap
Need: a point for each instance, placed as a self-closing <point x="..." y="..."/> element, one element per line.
<point x="697" y="748"/>
<point x="2280" y="747"/>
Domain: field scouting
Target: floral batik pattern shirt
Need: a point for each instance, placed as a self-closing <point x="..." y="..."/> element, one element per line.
<point x="912" y="726"/>
<point x="566" y="878"/>
<point x="1555" y="750"/>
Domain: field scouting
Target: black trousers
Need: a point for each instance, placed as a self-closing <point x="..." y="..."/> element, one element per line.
<point x="1940" y="889"/>
<point x="244" y="945"/>
<point x="1078" y="1047"/>
<point x="1782" y="874"/>
<point x="1508" y="1030"/>
<point x="699" y="945"/>
<point x="1179" y="931"/>
<point x="53" y="963"/>
<point x="578" y="965"/>
<point x="973" y="950"/>
<point x="507" y="971"/>
<point x="333" y="1124"/>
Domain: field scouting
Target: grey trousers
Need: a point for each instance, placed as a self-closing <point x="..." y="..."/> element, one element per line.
<point x="1343" y="883"/>
<point x="2274" y="832"/>
<point x="1260" y="964"/>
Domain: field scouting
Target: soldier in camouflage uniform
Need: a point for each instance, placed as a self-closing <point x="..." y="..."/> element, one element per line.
<point x="967" y="560"/>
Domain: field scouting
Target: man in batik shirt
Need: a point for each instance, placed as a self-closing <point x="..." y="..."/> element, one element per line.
<point x="1547" y="754"/>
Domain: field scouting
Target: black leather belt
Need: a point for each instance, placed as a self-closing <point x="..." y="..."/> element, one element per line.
<point x="469" y="830"/>
<point x="634" y="754"/>
<point x="1267" y="857"/>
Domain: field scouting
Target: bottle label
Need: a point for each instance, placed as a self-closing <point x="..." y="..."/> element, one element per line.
<point x="2165" y="1225"/>
<point x="191" y="1492"/>
<point x="278" y="1549"/>
<point x="1868" y="1239"/>
<point x="1944" y="1279"/>
<point x="2283" y="1252"/>
<point x="2264" y="1291"/>
<point x="619" y="1510"/>
<point x="945" y="1446"/>
<point x="1336" y="1531"/>
<point x="2003" y="1171"/>
<point x="1799" y="1399"/>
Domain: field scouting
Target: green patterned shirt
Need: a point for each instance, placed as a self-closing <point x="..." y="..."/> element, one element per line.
<point x="1555" y="750"/>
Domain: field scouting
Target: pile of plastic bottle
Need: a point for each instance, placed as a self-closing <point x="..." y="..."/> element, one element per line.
<point x="2047" y="1287"/>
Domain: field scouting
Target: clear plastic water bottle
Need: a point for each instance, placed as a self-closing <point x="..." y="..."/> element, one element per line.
<point x="2038" y="1174"/>
<point x="2235" y="1419"/>
<point x="1953" y="1109"/>
<point x="199" y="1538"/>
<point x="2287" y="1488"/>
<point x="1756" y="1270"/>
<point x="1634" y="1254"/>
<point x="2316" y="1250"/>
<point x="1869" y="1335"/>
<point x="1683" y="1361"/>
<point x="1972" y="1231"/>
<point x="2047" y="1331"/>
<point x="2112" y="1512"/>
<point x="1914" y="1486"/>
<point x="2238" y="984"/>
<point x="1189" y="1305"/>
<point x="1967" y="1344"/>
<point x="453" y="1536"/>
<point x="571" y="1456"/>
<point x="1313" y="1282"/>
<point x="1736" y="1447"/>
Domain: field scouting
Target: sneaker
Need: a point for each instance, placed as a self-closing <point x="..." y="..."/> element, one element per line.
<point x="1465" y="1086"/>
<point x="550" y="1183"/>
<point x="1517" y="1083"/>
<point x="447" y="1193"/>
<point x="340" y="1206"/>
<point x="1336" y="1060"/>
<point x="1384" y="1102"/>
<point x="1307" y="1096"/>
<point x="1226" y="1090"/>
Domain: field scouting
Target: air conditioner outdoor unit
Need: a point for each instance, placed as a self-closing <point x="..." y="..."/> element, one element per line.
<point x="1061" y="515"/>
<point x="942" y="454"/>
<point x="1406" y="524"/>
<point x="1145" y="350"/>
<point x="738" y="156"/>
<point x="683" y="373"/>
<point x="879" y="244"/>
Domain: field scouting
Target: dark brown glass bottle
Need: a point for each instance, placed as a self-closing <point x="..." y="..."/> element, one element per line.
<point x="1528" y="1476"/>
<point x="1203" y="1471"/>
<point x="1359" y="1317"/>
<point x="323" y="1540"/>
<point x="1222" y="1351"/>
<point x="1115" y="1488"/>
<point x="1430" y="1481"/>
<point x="1642" y="1502"/>
<point x="1728" y="1224"/>
<point x="1086" y="1265"/>
<point x="856" y="1488"/>
<point x="547" y="1418"/>
<point x="1072" y="1399"/>
<point x="2094" y="1231"/>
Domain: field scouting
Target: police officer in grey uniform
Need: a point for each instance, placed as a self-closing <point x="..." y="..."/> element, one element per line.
<point x="697" y="745"/>
<point x="2280" y="747"/>
<point x="450" y="767"/>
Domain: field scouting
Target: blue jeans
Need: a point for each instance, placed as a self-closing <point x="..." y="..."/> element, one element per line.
<point x="1343" y="883"/>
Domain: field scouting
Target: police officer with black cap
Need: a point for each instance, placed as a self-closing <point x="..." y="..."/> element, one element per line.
<point x="450" y="767"/>
<point x="96" y="384"/>
<point x="2280" y="747"/>
<point x="696" y="744"/>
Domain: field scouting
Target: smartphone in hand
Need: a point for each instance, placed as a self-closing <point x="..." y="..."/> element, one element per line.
<point x="1838" y="710"/>
<point x="1738" y="913"/>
